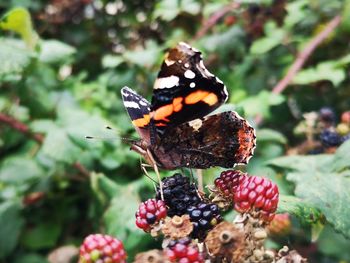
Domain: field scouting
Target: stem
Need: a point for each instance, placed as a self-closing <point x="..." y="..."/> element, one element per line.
<point x="39" y="138"/>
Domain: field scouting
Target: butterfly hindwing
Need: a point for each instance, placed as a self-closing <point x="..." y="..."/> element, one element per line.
<point x="184" y="89"/>
<point x="223" y="139"/>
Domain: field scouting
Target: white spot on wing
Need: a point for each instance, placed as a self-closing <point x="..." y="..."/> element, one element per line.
<point x="168" y="82"/>
<point x="196" y="124"/>
<point x="169" y="62"/>
<point x="192" y="84"/>
<point x="143" y="103"/>
<point x="131" y="104"/>
<point x="189" y="74"/>
<point x="187" y="65"/>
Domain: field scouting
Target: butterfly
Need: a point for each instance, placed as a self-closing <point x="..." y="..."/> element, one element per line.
<point x="175" y="128"/>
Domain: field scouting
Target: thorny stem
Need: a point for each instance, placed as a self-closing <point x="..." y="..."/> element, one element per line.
<point x="214" y="18"/>
<point x="302" y="57"/>
<point x="39" y="138"/>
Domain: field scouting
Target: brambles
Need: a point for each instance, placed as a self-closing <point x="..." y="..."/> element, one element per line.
<point x="102" y="248"/>
<point x="183" y="251"/>
<point x="257" y="195"/>
<point x="323" y="133"/>
<point x="228" y="182"/>
<point x="280" y="225"/>
<point x="200" y="232"/>
<point x="204" y="217"/>
<point x="150" y="213"/>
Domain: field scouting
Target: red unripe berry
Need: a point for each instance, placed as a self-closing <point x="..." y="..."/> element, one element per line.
<point x="150" y="213"/>
<point x="101" y="248"/>
<point x="183" y="251"/>
<point x="257" y="194"/>
<point x="228" y="182"/>
<point x="345" y="117"/>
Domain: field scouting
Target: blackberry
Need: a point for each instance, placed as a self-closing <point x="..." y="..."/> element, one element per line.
<point x="327" y="115"/>
<point x="102" y="248"/>
<point x="228" y="182"/>
<point x="345" y="117"/>
<point x="183" y="250"/>
<point x="330" y="138"/>
<point x="204" y="216"/>
<point x="150" y="213"/>
<point x="179" y="194"/>
<point x="258" y="196"/>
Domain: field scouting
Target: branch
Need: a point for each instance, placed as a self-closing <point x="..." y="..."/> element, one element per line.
<point x="305" y="54"/>
<point x="302" y="57"/>
<point x="21" y="127"/>
<point x="214" y="18"/>
<point x="39" y="138"/>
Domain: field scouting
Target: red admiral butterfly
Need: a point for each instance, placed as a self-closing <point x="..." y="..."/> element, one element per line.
<point x="173" y="128"/>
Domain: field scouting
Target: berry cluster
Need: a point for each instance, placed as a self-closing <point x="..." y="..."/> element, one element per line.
<point x="102" y="248"/>
<point x="149" y="213"/>
<point x="179" y="193"/>
<point x="323" y="131"/>
<point x="257" y="194"/>
<point x="204" y="217"/>
<point x="183" y="251"/>
<point x="228" y="182"/>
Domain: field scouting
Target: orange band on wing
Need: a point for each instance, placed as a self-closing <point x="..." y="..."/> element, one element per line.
<point x="196" y="96"/>
<point x="141" y="122"/>
<point x="163" y="112"/>
<point x="177" y="104"/>
<point x="200" y="95"/>
<point x="211" y="99"/>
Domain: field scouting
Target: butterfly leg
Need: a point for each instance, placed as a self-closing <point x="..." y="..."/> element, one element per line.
<point x="199" y="173"/>
<point x="155" y="167"/>
<point x="143" y="168"/>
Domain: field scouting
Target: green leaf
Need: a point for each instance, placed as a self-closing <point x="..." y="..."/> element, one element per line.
<point x="166" y="10"/>
<point x="19" y="21"/>
<point x="18" y="170"/>
<point x="11" y="225"/>
<point x="323" y="71"/>
<point x="316" y="184"/>
<point x="30" y="258"/>
<point x="271" y="136"/>
<point x="261" y="103"/>
<point x="274" y="38"/>
<point x="44" y="235"/>
<point x="58" y="146"/>
<point x="54" y="51"/>
<point x="111" y="61"/>
<point x="14" y="58"/>
<point x="301" y="209"/>
<point x="144" y="57"/>
<point x="341" y="158"/>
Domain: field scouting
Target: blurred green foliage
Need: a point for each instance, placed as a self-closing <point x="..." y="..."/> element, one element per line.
<point x="63" y="64"/>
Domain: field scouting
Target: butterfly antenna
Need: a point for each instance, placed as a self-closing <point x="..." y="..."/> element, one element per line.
<point x="124" y="139"/>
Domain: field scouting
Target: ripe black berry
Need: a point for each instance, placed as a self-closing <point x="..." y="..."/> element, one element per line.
<point x="179" y="194"/>
<point x="204" y="217"/>
<point x="330" y="138"/>
<point x="327" y="115"/>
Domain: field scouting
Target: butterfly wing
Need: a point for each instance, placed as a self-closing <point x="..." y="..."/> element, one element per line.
<point x="185" y="89"/>
<point x="138" y="109"/>
<point x="223" y="139"/>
